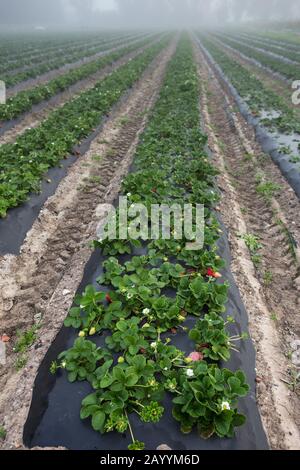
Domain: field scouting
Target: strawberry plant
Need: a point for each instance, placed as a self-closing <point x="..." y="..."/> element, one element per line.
<point x="81" y="360"/>
<point x="212" y="339"/>
<point x="207" y="398"/>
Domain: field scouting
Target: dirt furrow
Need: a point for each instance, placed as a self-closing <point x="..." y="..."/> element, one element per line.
<point x="269" y="284"/>
<point x="39" y="285"/>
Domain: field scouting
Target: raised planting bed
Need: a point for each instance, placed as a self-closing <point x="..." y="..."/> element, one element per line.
<point x="156" y="353"/>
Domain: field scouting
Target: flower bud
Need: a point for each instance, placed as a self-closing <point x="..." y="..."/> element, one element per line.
<point x="92" y="331"/>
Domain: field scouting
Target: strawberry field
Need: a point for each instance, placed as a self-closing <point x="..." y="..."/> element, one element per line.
<point x="130" y="333"/>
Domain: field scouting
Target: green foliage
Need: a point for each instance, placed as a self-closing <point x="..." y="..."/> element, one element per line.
<point x="211" y="338"/>
<point x="25" y="99"/>
<point x="24" y="162"/>
<point x="254" y="246"/>
<point x="205" y="396"/>
<point x="2" y="433"/>
<point x="26" y="339"/>
<point x="258" y="97"/>
<point x="137" y="445"/>
<point x="268" y="189"/>
<point x="82" y="359"/>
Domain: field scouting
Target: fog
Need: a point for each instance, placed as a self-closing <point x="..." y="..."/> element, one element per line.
<point x="143" y="13"/>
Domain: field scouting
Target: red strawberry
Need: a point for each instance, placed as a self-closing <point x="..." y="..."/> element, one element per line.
<point x="212" y="273"/>
<point x="108" y="298"/>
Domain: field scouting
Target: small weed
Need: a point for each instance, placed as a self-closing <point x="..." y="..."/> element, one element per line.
<point x="244" y="210"/>
<point x="274" y="317"/>
<point x="248" y="157"/>
<point x="24" y="342"/>
<point x="253" y="245"/>
<point x="295" y="159"/>
<point x="110" y="153"/>
<point x="252" y="242"/>
<point x="222" y="145"/>
<point x="289" y="237"/>
<point x="285" y="149"/>
<point x="96" y="158"/>
<point x="256" y="259"/>
<point x="259" y="177"/>
<point x="21" y="362"/>
<point x="289" y="355"/>
<point x="293" y="379"/>
<point x="123" y="121"/>
<point x="267" y="189"/>
<point x="268" y="278"/>
<point x="2" y="433"/>
<point x="95" y="179"/>
<point x="26" y="339"/>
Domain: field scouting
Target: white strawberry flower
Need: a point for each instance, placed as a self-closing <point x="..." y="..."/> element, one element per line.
<point x="225" y="406"/>
<point x="190" y="373"/>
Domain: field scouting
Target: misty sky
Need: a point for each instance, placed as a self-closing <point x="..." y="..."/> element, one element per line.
<point x="143" y="13"/>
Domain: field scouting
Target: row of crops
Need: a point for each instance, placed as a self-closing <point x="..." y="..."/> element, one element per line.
<point x="265" y="100"/>
<point x="258" y="97"/>
<point x="24" y="162"/>
<point x="152" y="293"/>
<point x="61" y="59"/>
<point x="14" y="47"/>
<point x="24" y="100"/>
<point x="69" y="54"/>
<point x="276" y="51"/>
<point x="278" y="64"/>
<point x="48" y="54"/>
<point x="287" y="51"/>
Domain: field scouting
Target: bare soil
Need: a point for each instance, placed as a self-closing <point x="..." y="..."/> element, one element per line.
<point x="39" y="285"/>
<point x="270" y="291"/>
